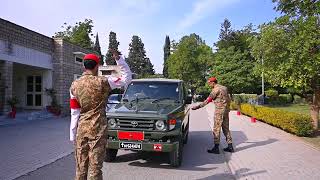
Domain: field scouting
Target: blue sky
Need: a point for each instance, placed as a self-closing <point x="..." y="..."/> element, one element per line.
<point x="152" y="20"/>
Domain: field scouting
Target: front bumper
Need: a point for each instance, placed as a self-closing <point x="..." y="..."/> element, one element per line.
<point x="146" y="146"/>
<point x="152" y="139"/>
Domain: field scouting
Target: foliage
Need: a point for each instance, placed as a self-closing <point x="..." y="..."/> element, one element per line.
<point x="234" y="70"/>
<point x="79" y="34"/>
<point x="153" y="76"/>
<point x="289" y="48"/>
<point x="295" y="123"/>
<point x="234" y="106"/>
<point x="272" y="93"/>
<point x="298" y="7"/>
<point x="137" y="60"/>
<point x="113" y="44"/>
<point x="189" y="61"/>
<point x="166" y="54"/>
<point x="287" y="51"/>
<point x="13" y="101"/>
<point x="233" y="62"/>
<point x="52" y="93"/>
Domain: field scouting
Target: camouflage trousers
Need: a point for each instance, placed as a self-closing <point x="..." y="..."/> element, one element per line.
<point x="89" y="155"/>
<point x="221" y="120"/>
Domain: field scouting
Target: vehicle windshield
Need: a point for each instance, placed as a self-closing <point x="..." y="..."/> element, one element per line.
<point x="113" y="97"/>
<point x="152" y="90"/>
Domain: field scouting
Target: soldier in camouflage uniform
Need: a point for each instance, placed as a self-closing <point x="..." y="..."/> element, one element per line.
<point x="221" y="98"/>
<point x="88" y="119"/>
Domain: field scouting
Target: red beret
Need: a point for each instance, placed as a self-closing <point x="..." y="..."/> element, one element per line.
<point x="212" y="79"/>
<point x="92" y="57"/>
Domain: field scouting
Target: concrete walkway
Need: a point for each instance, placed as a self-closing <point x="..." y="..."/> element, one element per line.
<point x="265" y="152"/>
<point x="28" y="146"/>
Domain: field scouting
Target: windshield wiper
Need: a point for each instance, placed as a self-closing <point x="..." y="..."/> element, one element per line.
<point x="161" y="99"/>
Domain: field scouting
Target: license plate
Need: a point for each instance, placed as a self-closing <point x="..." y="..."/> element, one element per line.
<point x="130" y="145"/>
<point x="124" y="135"/>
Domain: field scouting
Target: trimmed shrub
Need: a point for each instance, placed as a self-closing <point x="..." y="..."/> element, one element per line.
<point x="272" y="93"/>
<point x="234" y="105"/>
<point x="281" y="99"/>
<point x="298" y="100"/>
<point x="295" y="123"/>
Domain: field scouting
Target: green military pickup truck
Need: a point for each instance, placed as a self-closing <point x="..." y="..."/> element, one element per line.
<point x="153" y="115"/>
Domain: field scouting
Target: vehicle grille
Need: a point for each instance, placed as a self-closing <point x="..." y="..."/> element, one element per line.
<point x="136" y="124"/>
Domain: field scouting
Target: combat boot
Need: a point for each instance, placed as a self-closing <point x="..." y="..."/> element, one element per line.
<point x="229" y="148"/>
<point x="214" y="150"/>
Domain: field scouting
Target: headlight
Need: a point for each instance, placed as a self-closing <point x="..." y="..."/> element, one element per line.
<point x="112" y="123"/>
<point x="160" y="125"/>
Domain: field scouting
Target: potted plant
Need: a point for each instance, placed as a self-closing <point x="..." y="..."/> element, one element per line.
<point x="13" y="102"/>
<point x="54" y="108"/>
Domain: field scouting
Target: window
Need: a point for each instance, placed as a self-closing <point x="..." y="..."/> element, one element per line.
<point x="76" y="76"/>
<point x="78" y="59"/>
<point x="106" y="73"/>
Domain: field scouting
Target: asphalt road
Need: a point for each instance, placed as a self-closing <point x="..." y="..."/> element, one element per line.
<point x="197" y="163"/>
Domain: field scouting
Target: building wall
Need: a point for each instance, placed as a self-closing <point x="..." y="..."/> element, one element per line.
<point x="6" y="69"/>
<point x="65" y="69"/>
<point x="22" y="36"/>
<point x="23" y="55"/>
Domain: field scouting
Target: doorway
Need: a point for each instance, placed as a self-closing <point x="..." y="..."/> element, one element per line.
<point x="34" y="92"/>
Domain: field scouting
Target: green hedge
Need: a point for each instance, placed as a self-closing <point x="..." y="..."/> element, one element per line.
<point x="291" y="122"/>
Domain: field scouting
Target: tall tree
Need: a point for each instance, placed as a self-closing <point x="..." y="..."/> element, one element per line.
<point x="298" y="8"/>
<point x="137" y="59"/>
<point x="225" y="29"/>
<point x="79" y="34"/>
<point x="233" y="62"/>
<point x="97" y="48"/>
<point x="166" y="51"/>
<point x="289" y="48"/>
<point x="189" y="61"/>
<point x="113" y="44"/>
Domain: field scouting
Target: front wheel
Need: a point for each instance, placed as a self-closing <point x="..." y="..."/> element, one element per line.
<point x="176" y="155"/>
<point x="111" y="155"/>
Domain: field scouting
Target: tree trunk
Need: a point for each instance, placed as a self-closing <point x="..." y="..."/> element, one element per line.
<point x="314" y="109"/>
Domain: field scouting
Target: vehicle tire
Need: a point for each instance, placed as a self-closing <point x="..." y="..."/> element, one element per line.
<point x="111" y="155"/>
<point x="176" y="155"/>
<point x="186" y="135"/>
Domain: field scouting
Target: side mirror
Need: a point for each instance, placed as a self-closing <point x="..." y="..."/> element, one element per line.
<point x="189" y="99"/>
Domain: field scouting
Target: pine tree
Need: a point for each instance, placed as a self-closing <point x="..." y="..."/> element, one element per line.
<point x="137" y="60"/>
<point x="166" y="50"/>
<point x="97" y="48"/>
<point x="113" y="44"/>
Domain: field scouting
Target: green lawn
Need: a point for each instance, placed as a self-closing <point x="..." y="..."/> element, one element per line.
<point x="304" y="109"/>
<point x="299" y="108"/>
